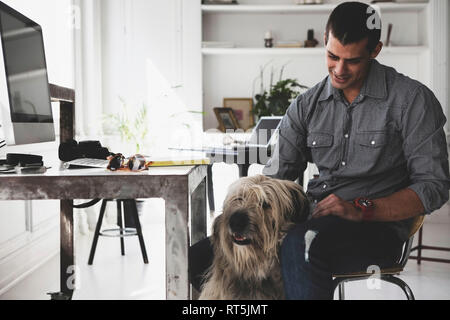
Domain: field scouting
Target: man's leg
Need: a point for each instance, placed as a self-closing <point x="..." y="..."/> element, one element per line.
<point x="313" y="251"/>
<point x="200" y="259"/>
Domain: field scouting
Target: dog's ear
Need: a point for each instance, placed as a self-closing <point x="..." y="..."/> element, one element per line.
<point x="299" y="201"/>
<point x="216" y="230"/>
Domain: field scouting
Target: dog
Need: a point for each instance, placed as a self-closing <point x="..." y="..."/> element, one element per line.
<point x="257" y="213"/>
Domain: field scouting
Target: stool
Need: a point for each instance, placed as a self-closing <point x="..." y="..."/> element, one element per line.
<point x="129" y="206"/>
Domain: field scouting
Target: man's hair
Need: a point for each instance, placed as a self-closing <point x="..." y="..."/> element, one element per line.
<point x="351" y="22"/>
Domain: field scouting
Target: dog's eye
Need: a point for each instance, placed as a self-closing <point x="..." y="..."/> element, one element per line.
<point x="265" y="205"/>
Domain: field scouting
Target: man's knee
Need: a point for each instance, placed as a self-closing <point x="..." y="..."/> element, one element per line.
<point x="298" y="241"/>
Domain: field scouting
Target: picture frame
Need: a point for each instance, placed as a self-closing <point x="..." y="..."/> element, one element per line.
<point x="242" y="108"/>
<point x="226" y="119"/>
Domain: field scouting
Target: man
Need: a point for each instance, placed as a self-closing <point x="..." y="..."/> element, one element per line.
<point x="377" y="139"/>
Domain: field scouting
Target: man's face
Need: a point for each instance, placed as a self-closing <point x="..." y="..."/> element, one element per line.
<point x="348" y="65"/>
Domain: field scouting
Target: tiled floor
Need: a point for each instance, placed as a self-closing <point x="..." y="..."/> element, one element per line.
<point x="115" y="277"/>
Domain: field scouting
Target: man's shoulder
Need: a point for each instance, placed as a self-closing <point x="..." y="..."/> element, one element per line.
<point x="314" y="92"/>
<point x="401" y="84"/>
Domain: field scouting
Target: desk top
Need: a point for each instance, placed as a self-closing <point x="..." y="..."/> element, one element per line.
<point x="60" y="183"/>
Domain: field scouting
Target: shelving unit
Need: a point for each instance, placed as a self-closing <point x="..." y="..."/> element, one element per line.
<point x="302" y="51"/>
<point x="232" y="71"/>
<point x="317" y="8"/>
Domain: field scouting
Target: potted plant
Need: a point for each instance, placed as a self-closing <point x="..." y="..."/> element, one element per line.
<point x="277" y="100"/>
<point x="133" y="129"/>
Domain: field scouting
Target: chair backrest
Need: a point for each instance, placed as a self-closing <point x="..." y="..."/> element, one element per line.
<point x="416" y="225"/>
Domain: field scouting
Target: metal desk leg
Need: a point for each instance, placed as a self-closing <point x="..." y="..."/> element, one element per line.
<point x="198" y="213"/>
<point x="212" y="207"/>
<point x="243" y="170"/>
<point x="177" y="242"/>
<point x="177" y="237"/>
<point x="67" y="260"/>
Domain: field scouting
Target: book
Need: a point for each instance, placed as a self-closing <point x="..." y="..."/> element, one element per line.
<point x="168" y="162"/>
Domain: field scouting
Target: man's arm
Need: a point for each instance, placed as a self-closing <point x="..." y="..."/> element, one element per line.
<point x="401" y="205"/>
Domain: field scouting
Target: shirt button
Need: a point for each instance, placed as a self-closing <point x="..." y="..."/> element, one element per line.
<point x="346" y="136"/>
<point x="344" y="163"/>
<point x="372" y="143"/>
<point x="324" y="186"/>
<point x="314" y="143"/>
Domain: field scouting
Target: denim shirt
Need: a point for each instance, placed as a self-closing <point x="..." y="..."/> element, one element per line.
<point x="389" y="138"/>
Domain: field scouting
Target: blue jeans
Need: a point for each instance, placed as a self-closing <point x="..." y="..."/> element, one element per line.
<point x="315" y="250"/>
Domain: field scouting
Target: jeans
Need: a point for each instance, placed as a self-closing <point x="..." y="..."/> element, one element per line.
<point x="315" y="250"/>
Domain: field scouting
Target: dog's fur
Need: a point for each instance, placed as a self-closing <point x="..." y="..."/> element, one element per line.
<point x="257" y="213"/>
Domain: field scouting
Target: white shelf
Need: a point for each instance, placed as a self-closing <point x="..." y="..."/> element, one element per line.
<point x="311" y="8"/>
<point x="301" y="51"/>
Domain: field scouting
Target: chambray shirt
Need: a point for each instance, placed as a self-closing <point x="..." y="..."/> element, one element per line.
<point x="389" y="138"/>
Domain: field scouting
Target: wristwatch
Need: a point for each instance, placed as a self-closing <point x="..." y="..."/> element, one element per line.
<point x="366" y="206"/>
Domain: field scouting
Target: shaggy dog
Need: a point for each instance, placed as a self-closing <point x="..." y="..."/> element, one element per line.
<point x="257" y="213"/>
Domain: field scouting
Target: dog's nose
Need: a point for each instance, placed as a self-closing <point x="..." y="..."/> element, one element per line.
<point x="239" y="221"/>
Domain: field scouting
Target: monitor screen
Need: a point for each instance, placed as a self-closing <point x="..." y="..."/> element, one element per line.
<point x="24" y="91"/>
<point x="264" y="130"/>
<point x="23" y="54"/>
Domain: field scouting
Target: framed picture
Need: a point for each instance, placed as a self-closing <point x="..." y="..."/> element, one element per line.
<point x="226" y="119"/>
<point x="242" y="108"/>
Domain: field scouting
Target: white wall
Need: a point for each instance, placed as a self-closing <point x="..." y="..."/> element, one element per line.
<point x="148" y="54"/>
<point x="55" y="17"/>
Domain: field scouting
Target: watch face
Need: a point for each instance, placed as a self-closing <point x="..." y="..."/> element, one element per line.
<point x="365" y="202"/>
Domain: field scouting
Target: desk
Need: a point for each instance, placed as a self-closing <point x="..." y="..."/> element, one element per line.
<point x="243" y="156"/>
<point x="183" y="189"/>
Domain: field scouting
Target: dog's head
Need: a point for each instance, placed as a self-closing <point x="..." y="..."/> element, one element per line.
<point x="257" y="212"/>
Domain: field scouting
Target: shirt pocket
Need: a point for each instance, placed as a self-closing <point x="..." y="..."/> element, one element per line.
<point x="372" y="150"/>
<point x="322" y="150"/>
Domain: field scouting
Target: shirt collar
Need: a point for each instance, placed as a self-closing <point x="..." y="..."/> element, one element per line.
<point x="374" y="86"/>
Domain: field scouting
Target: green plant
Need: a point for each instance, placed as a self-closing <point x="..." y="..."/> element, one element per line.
<point x="131" y="129"/>
<point x="277" y="100"/>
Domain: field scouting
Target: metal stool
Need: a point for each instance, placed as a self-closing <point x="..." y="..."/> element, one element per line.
<point x="129" y="207"/>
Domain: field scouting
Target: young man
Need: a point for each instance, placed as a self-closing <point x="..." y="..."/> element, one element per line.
<point x="377" y="139"/>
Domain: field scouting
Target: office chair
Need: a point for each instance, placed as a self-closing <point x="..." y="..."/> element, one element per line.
<point x="129" y="207"/>
<point x="387" y="274"/>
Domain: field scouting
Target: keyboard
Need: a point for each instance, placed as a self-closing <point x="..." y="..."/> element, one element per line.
<point x="86" y="163"/>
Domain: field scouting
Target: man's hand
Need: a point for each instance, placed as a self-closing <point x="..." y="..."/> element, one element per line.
<point x="333" y="205"/>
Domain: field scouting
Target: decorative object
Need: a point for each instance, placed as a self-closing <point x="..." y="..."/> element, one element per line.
<point x="242" y="109"/>
<point x="289" y="44"/>
<point x="268" y="40"/>
<point x="226" y="119"/>
<point x="311" y="42"/>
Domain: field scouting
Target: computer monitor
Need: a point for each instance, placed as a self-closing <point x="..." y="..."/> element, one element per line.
<point x="24" y="92"/>
<point x="262" y="134"/>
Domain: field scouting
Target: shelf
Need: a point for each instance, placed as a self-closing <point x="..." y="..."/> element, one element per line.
<point x="311" y="8"/>
<point x="301" y="51"/>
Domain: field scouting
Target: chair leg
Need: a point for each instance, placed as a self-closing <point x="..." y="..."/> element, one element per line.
<point x="120" y="223"/>
<point x="402" y="284"/>
<point x="134" y="214"/>
<point x="97" y="232"/>
<point x="342" y="291"/>
<point x="419" y="246"/>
